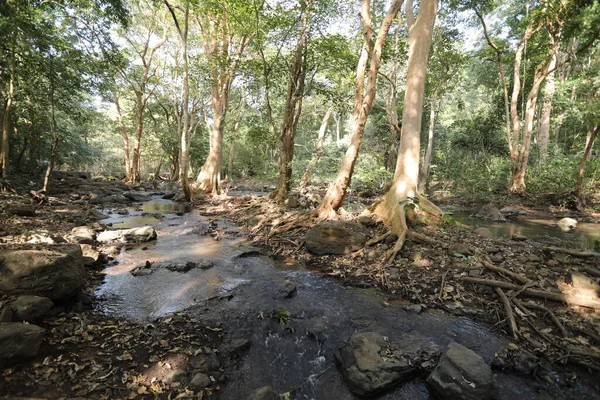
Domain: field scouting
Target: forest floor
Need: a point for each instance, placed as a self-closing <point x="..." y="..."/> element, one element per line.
<point x="87" y="354"/>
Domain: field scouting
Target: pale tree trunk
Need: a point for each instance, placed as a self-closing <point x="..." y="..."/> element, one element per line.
<point x="186" y="132"/>
<point x="292" y="110"/>
<point x="218" y="45"/>
<point x="337" y="117"/>
<point x="125" y="135"/>
<point x="544" y="133"/>
<point x="55" y="134"/>
<point x="391" y="209"/>
<point x="424" y="172"/>
<point x="363" y="102"/>
<point x="592" y="134"/>
<point x="137" y="137"/>
<point x="318" y="148"/>
<point x="391" y="112"/>
<point x="4" y="150"/>
<point x="230" y="159"/>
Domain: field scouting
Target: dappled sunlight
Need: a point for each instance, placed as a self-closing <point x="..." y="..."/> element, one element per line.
<point x="582" y="298"/>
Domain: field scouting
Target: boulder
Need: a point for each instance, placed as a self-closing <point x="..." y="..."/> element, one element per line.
<point x="199" y="381"/>
<point x="50" y="271"/>
<point x="30" y="308"/>
<point x="95" y="214"/>
<point x="264" y="393"/>
<point x="109" y="236"/>
<point x="22" y="211"/>
<point x="511" y="212"/>
<point x="139" y="235"/>
<point x="370" y="366"/>
<point x="91" y="256"/>
<point x="18" y="341"/>
<point x="567" y="224"/>
<point x="490" y="213"/>
<point x="336" y="237"/>
<point x="82" y="235"/>
<point x="462" y="374"/>
<point x="136" y="197"/>
<point x="287" y="290"/>
<point x="484" y="232"/>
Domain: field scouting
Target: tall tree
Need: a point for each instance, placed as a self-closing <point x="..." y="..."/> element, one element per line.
<point x="366" y="88"/>
<point x="392" y="209"/>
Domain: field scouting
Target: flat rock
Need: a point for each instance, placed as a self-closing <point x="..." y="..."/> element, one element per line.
<point x="22" y="211"/>
<point x="336" y="237"/>
<point x="490" y="213"/>
<point x="18" y="341"/>
<point x="370" y="366"/>
<point x="30" y="308"/>
<point x="49" y="271"/>
<point x="484" y="232"/>
<point x="82" y="235"/>
<point x="264" y="393"/>
<point x="139" y="235"/>
<point x="462" y="374"/>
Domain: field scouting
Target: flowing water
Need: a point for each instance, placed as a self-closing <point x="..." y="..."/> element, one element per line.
<point x="243" y="288"/>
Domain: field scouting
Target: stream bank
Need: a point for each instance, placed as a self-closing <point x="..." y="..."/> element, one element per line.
<point x="238" y="324"/>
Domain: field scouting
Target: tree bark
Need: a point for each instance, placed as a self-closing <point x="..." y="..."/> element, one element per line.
<point x="292" y="109"/>
<point x="318" y="148"/>
<point x="363" y="102"/>
<point x="55" y="134"/>
<point x="126" y="144"/>
<point x="589" y="143"/>
<point x="424" y="172"/>
<point x="404" y="188"/>
<point x="544" y="133"/>
<point x="4" y="149"/>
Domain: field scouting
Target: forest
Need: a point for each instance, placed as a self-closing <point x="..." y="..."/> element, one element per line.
<point x="222" y="170"/>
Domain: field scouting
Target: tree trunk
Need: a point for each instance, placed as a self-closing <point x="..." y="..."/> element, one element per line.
<point x="230" y="160"/>
<point x="544" y="133"/>
<point x="55" y="135"/>
<point x="318" y="148"/>
<point x="424" y="172"/>
<point x="337" y="117"/>
<point x="363" y="102"/>
<point x="126" y="144"/>
<point x="4" y="151"/>
<point x="209" y="178"/>
<point x="589" y="143"/>
<point x="137" y="138"/>
<point x="292" y="109"/>
<point x="392" y="208"/>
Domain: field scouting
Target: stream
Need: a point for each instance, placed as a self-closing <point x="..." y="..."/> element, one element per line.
<point x="243" y="288"/>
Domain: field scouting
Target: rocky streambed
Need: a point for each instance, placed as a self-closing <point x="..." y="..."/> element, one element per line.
<point x="185" y="307"/>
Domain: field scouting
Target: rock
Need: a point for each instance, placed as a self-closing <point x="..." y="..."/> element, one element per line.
<point x="238" y="345"/>
<point x="390" y="240"/>
<point x="30" y="308"/>
<point x="497" y="258"/>
<point x="288" y="289"/>
<point x="22" y="211"/>
<point x="54" y="271"/>
<point x="95" y="214"/>
<point x="139" y="235"/>
<point x="484" y="232"/>
<point x="82" y="235"/>
<point x="205" y="362"/>
<point x="181" y="267"/>
<point x="264" y="393"/>
<point x="490" y="213"/>
<point x="336" y="237"/>
<point x="205" y="264"/>
<point x="413" y="308"/>
<point x="511" y="212"/>
<point x="199" y="381"/>
<point x="6" y="314"/>
<point x="458" y="250"/>
<point x="136" y="197"/>
<point x="142" y="270"/>
<point x="177" y="375"/>
<point x="369" y="366"/>
<point x="518" y="237"/>
<point x="18" y="341"/>
<point x="567" y="224"/>
<point x="366" y="221"/>
<point x="525" y="362"/>
<point x="292" y="202"/>
<point x="109" y="236"/>
<point x="462" y="374"/>
<point x="91" y="256"/>
<point x="169" y="196"/>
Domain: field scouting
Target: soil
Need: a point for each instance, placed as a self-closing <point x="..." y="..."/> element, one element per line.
<point x="87" y="354"/>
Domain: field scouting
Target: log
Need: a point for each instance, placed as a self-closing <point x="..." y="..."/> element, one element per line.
<point x="561" y="298"/>
<point x="574" y="253"/>
<point x="589" y="270"/>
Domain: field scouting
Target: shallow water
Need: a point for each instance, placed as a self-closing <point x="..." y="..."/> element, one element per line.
<point x="240" y="294"/>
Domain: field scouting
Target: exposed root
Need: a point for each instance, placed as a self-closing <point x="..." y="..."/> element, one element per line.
<point x="378" y="239"/>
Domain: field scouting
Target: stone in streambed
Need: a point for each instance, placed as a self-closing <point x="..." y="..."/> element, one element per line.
<point x="490" y="213"/>
<point x="30" y="308"/>
<point x="264" y="393"/>
<point x="336" y="237"/>
<point x="19" y="341"/>
<point x="462" y="374"/>
<point x="82" y="235"/>
<point x="369" y="366"/>
<point x="199" y="381"/>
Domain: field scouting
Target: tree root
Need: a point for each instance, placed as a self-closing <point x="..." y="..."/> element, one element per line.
<point x="512" y="324"/>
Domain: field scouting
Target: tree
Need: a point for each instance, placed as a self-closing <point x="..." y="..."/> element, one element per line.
<point x="403" y="193"/>
<point x="366" y="87"/>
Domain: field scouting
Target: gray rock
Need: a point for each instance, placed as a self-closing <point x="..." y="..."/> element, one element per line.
<point x="181" y="267"/>
<point x="512" y="211"/>
<point x="288" y="289"/>
<point x="490" y="213"/>
<point x="369" y="366"/>
<point x="336" y="237"/>
<point x="366" y="221"/>
<point x="82" y="235"/>
<point x="264" y="393"/>
<point x="6" y="314"/>
<point x="18" y="341"/>
<point x="136" y="197"/>
<point x="462" y="374"/>
<point x="525" y="362"/>
<point x="497" y="258"/>
<point x="95" y="214"/>
<point x="458" y="250"/>
<point x="139" y="235"/>
<point x="518" y="237"/>
<point x="22" y="211"/>
<point x="177" y="375"/>
<point x="30" y="308"/>
<point x="199" y="381"/>
<point x="53" y="271"/>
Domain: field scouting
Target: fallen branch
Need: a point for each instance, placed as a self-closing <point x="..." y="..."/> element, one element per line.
<point x="575" y="253"/>
<point x="378" y="239"/>
<point x="549" y="312"/>
<point x="561" y="298"/>
<point x="517" y="277"/>
<point x="589" y="270"/>
<point x="443" y="284"/>
<point x="512" y="324"/>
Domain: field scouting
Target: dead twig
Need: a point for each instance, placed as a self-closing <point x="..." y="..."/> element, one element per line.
<point x="487" y="263"/>
<point x="512" y="323"/>
<point x="575" y="253"/>
<point x="442" y="285"/>
<point x="549" y="312"/>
